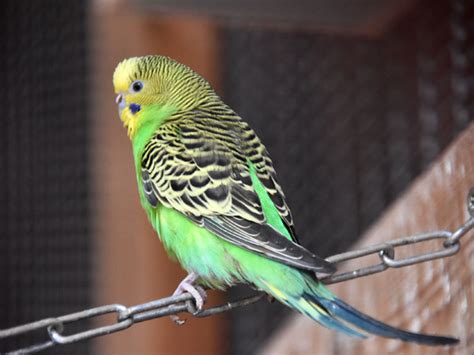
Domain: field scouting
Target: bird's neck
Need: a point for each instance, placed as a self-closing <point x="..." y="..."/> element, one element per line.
<point x="151" y="117"/>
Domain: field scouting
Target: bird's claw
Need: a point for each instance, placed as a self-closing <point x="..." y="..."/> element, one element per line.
<point x="176" y="320"/>
<point x="198" y="293"/>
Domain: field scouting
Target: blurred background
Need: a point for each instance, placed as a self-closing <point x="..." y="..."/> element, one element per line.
<point x="353" y="99"/>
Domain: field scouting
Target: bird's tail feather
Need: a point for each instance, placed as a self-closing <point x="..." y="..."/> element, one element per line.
<point x="325" y="308"/>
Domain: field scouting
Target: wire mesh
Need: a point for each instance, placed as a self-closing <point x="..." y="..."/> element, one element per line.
<point x="349" y="122"/>
<point x="44" y="212"/>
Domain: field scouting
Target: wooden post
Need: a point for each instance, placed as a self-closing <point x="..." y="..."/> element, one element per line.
<point x="433" y="297"/>
<point x="131" y="265"/>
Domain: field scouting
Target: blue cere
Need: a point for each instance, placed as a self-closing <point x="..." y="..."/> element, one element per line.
<point x="135" y="108"/>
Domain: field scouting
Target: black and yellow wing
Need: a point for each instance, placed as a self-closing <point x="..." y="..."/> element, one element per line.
<point x="198" y="163"/>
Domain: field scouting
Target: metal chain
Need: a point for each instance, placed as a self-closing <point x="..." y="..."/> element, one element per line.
<point x="127" y="316"/>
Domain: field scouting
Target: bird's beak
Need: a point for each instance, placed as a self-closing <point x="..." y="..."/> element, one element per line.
<point x="120" y="101"/>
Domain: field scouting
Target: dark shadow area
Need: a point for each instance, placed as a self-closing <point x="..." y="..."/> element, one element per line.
<point x="45" y="235"/>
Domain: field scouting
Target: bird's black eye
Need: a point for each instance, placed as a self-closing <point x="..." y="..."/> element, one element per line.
<point x="136" y="86"/>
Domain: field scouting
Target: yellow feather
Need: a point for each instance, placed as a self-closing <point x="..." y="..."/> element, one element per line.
<point x="122" y="74"/>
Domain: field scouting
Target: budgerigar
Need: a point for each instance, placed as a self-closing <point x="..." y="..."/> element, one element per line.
<point x="209" y="188"/>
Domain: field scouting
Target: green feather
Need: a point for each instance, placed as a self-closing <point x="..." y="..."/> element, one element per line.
<point x="150" y="118"/>
<point x="271" y="213"/>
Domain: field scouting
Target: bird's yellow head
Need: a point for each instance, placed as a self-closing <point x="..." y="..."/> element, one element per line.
<point x="156" y="82"/>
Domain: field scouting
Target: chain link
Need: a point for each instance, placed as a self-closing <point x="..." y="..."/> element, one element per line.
<point x="127" y="316"/>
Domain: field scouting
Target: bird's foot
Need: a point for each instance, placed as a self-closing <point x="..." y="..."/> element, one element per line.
<point x="198" y="293"/>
